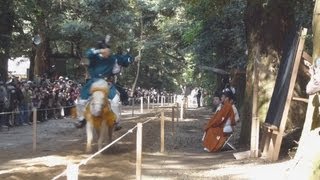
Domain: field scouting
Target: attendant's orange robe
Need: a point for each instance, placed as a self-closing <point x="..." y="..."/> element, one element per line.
<point x="215" y="137"/>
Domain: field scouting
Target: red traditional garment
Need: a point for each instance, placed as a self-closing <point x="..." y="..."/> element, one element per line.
<point x="215" y="137"/>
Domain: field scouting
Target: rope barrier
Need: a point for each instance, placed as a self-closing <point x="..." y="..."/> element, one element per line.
<point x="85" y="161"/>
<point x="60" y="175"/>
<point x="38" y="109"/>
<point x="150" y="119"/>
<point x="46" y="109"/>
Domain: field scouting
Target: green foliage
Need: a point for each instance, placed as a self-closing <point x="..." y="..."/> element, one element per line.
<point x="176" y="35"/>
<point x="220" y="41"/>
<point x="192" y="33"/>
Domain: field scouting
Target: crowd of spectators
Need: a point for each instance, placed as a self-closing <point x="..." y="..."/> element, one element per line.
<point x="53" y="99"/>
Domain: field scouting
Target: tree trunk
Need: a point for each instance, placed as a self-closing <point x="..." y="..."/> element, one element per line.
<point x="316" y="31"/>
<point x="267" y="23"/>
<point x="41" y="60"/>
<point x="6" y="28"/>
<point x="41" y="57"/>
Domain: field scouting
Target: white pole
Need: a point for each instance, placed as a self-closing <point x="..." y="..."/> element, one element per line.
<point x="139" y="151"/>
<point x="148" y="102"/>
<point x="172" y="118"/>
<point x="132" y="100"/>
<point x="72" y="171"/>
<point x="162" y="132"/>
<point x="181" y="111"/>
<point x="34" y="137"/>
<point x="141" y="105"/>
<point x="177" y="112"/>
<point x="62" y="112"/>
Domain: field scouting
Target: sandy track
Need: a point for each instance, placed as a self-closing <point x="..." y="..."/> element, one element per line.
<point x="60" y="143"/>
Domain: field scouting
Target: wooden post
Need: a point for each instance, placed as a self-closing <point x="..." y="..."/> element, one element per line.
<point x="141" y="105"/>
<point x="181" y="112"/>
<point x="139" y="151"/>
<point x="132" y="102"/>
<point x="316" y="31"/>
<point x="172" y="119"/>
<point x="186" y="102"/>
<point x="279" y="137"/>
<point x="177" y="112"/>
<point x="315" y="54"/>
<point x="72" y="171"/>
<point x="162" y="132"/>
<point x="34" y="137"/>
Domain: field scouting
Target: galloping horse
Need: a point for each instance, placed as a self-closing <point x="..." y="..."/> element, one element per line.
<point x="98" y="114"/>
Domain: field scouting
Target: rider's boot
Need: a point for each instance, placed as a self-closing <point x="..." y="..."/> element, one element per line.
<point x="115" y="106"/>
<point x="81" y="105"/>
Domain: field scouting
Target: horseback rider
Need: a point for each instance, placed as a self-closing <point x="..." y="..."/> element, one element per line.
<point x="103" y="65"/>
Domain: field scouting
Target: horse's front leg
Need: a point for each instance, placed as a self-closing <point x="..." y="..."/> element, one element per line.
<point x="102" y="133"/>
<point x="110" y="132"/>
<point x="89" y="129"/>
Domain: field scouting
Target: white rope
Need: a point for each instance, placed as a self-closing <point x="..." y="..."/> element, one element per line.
<point x="149" y="120"/>
<point x="46" y="109"/>
<point x="60" y="175"/>
<point x="85" y="161"/>
<point x="106" y="147"/>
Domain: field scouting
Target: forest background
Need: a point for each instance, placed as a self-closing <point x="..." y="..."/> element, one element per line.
<point x="183" y="43"/>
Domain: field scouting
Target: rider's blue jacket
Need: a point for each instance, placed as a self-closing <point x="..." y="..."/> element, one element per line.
<point x="100" y="67"/>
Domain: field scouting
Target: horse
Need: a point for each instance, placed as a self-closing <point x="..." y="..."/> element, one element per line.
<point x="98" y="114"/>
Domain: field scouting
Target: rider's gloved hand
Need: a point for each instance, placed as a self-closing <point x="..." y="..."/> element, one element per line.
<point x="137" y="58"/>
<point x="96" y="51"/>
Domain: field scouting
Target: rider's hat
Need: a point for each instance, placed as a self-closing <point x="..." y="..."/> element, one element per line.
<point x="102" y="44"/>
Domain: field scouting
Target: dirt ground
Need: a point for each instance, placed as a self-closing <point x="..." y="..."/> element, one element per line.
<point x="60" y="143"/>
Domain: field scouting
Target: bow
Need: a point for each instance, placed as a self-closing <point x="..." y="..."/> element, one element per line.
<point x="139" y="54"/>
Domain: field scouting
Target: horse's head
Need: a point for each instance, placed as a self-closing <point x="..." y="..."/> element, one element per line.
<point x="99" y="98"/>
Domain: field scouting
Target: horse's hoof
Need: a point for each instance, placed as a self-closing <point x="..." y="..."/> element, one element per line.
<point x="117" y="128"/>
<point x="80" y="124"/>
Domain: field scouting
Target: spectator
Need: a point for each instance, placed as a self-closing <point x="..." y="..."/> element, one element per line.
<point x="216" y="102"/>
<point x="215" y="135"/>
<point x="3" y="105"/>
<point x="25" y="104"/>
<point x="199" y="97"/>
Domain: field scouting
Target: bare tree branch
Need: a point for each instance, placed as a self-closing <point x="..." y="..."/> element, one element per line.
<point x="213" y="69"/>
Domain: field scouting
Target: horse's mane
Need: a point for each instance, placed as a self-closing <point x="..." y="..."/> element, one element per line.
<point x="100" y="85"/>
